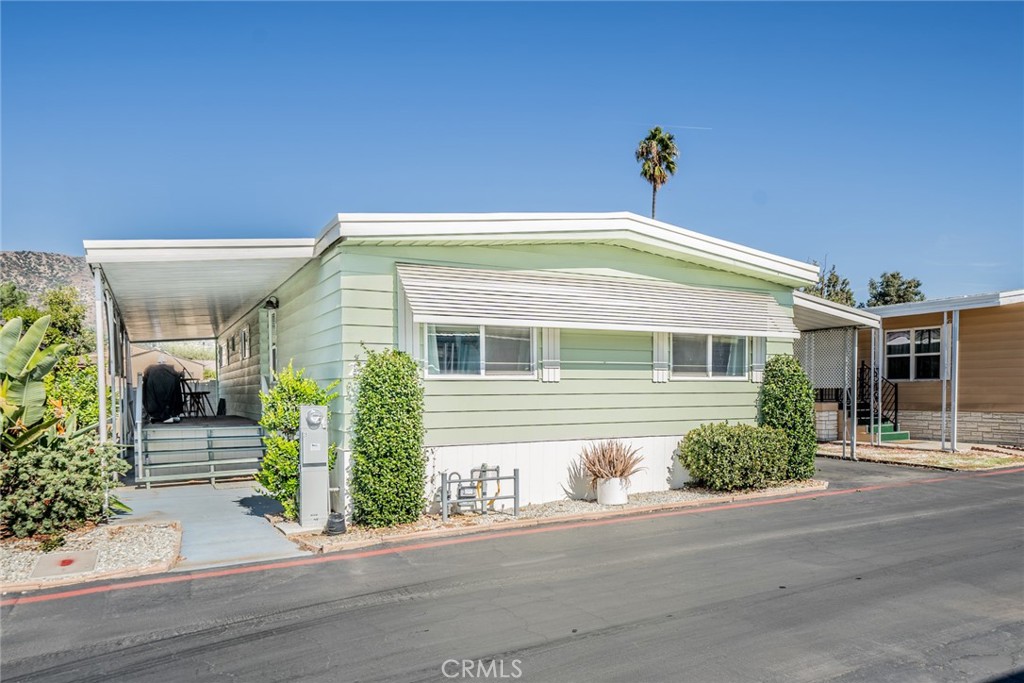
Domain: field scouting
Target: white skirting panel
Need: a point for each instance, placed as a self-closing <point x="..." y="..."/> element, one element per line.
<point x="548" y="470"/>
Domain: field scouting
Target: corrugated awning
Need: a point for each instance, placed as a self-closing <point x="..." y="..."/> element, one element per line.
<point x="441" y="294"/>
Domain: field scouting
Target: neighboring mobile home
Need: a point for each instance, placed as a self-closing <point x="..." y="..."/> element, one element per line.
<point x="958" y="363"/>
<point x="535" y="332"/>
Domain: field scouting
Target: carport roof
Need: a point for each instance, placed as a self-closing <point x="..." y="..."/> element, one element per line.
<point x="814" y="313"/>
<point x="192" y="289"/>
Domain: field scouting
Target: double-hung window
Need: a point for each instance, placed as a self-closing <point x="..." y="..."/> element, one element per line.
<point x="480" y="350"/>
<point x="913" y="354"/>
<point x="708" y="356"/>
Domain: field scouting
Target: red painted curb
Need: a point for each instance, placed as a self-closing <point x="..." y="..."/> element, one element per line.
<point x="475" y="538"/>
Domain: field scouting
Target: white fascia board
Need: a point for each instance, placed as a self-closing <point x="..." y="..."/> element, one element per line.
<point x="565" y="227"/>
<point x="953" y="303"/>
<point x="845" y="314"/>
<point x="144" y="251"/>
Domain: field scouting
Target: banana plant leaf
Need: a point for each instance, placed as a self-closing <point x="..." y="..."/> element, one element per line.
<point x="9" y="335"/>
<point x="19" y="358"/>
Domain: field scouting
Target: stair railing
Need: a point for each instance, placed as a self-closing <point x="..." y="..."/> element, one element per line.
<point x="889" y="401"/>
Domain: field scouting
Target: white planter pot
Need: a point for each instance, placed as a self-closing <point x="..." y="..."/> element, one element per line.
<point x="612" y="491"/>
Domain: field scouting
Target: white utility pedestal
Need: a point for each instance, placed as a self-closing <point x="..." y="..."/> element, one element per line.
<point x="314" y="476"/>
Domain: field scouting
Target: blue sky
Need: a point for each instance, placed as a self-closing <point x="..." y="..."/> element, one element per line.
<point x="883" y="136"/>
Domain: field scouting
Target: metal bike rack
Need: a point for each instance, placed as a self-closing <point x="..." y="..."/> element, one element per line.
<point x="471" y="491"/>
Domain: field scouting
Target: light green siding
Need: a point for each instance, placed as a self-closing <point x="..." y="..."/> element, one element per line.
<point x="606" y="388"/>
<point x="238" y="379"/>
<point x="309" y="324"/>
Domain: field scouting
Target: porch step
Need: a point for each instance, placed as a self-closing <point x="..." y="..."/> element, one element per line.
<point x="895" y="436"/>
<point x="198" y="450"/>
<point x="886" y="428"/>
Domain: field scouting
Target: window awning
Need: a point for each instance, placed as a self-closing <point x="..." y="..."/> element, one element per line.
<point x="439" y="294"/>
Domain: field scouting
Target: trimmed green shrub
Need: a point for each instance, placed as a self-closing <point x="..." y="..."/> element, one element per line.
<point x="57" y="484"/>
<point x="279" y="471"/>
<point x="787" y="402"/>
<point x="388" y="461"/>
<point x="725" y="457"/>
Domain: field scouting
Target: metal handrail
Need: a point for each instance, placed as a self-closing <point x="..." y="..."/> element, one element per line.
<point x="889" y="400"/>
<point x="139" y="455"/>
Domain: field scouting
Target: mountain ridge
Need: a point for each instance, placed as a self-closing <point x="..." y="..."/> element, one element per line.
<point x="35" y="272"/>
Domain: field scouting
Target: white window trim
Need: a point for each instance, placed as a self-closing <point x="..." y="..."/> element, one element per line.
<point x="551" y="361"/>
<point x="243" y="337"/>
<point x="272" y="342"/>
<point x="745" y="377"/>
<point x="532" y="377"/>
<point x="911" y="331"/>
<point x="758" y="358"/>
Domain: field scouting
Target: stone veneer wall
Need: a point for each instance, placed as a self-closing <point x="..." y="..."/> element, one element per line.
<point x="972" y="427"/>
<point x="826" y="421"/>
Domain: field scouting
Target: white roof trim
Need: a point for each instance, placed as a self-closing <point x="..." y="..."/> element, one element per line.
<point x="952" y="303"/>
<point x="192" y="289"/>
<point x="142" y="251"/>
<point x="813" y="312"/>
<point x="441" y="294"/>
<point x="622" y="228"/>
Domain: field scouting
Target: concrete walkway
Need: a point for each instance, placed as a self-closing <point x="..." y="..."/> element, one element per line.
<point x="221" y="525"/>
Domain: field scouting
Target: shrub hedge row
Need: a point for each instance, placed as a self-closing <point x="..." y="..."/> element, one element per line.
<point x="787" y="402"/>
<point x="726" y="457"/>
<point x="388" y="462"/>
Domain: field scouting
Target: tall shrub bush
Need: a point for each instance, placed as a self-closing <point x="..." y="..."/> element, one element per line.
<point x="726" y="457"/>
<point x="787" y="402"/>
<point x="57" y="484"/>
<point x="279" y="471"/>
<point x="52" y="478"/>
<point x="388" y="462"/>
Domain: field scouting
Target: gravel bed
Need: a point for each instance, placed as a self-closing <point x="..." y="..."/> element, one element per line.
<point x="976" y="458"/>
<point x="120" y="548"/>
<point x="552" y="510"/>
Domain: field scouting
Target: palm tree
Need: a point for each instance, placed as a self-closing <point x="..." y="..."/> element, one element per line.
<point x="657" y="156"/>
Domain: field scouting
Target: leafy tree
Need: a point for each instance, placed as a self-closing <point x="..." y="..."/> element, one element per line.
<point x="832" y="287"/>
<point x="28" y="314"/>
<point x="67" y="320"/>
<point x="11" y="296"/>
<point x="893" y="288"/>
<point x="657" y="155"/>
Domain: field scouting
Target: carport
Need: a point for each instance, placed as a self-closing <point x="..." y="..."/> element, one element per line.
<point x="172" y="290"/>
<point x="827" y="350"/>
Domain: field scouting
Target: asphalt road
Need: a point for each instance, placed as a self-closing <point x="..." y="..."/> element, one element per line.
<point x="917" y="577"/>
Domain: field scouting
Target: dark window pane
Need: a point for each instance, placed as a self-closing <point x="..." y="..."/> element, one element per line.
<point x="728" y="356"/>
<point x="453" y="350"/>
<point x="897" y="342"/>
<point x="690" y="355"/>
<point x="507" y="351"/>
<point x="926" y="367"/>
<point x="926" y="341"/>
<point x="898" y="368"/>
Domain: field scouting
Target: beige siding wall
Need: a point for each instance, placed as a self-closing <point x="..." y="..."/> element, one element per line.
<point x="991" y="361"/>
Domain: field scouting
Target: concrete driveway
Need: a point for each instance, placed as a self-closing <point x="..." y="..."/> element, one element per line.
<point x="221" y="525"/>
